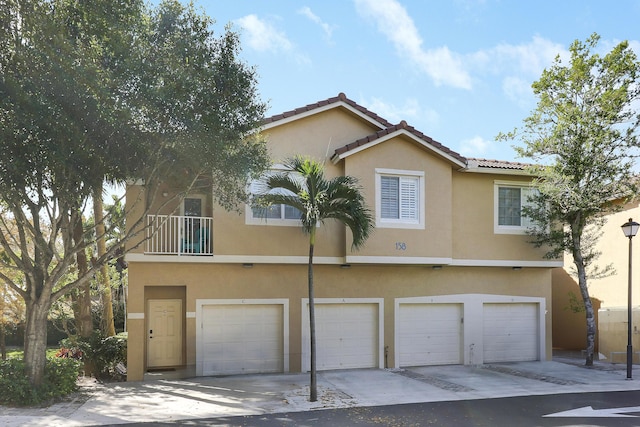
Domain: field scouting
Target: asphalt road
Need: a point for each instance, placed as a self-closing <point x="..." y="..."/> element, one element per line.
<point x="585" y="409"/>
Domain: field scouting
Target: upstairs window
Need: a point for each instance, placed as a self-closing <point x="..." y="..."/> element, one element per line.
<point x="399" y="199"/>
<point x="274" y="214"/>
<point x="509" y="200"/>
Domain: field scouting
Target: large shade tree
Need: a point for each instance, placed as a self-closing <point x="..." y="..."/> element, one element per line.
<point x="109" y="89"/>
<point x="583" y="137"/>
<point x="304" y="187"/>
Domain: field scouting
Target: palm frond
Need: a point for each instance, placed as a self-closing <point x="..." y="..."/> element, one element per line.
<point x="306" y="188"/>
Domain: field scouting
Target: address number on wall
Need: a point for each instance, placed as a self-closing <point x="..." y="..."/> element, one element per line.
<point x="401" y="246"/>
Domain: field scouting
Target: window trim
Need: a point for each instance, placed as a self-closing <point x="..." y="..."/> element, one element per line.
<point x="283" y="222"/>
<point x="510" y="229"/>
<point x="399" y="223"/>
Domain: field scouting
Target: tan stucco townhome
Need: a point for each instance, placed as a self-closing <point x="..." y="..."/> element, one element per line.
<point x="608" y="294"/>
<point x="447" y="276"/>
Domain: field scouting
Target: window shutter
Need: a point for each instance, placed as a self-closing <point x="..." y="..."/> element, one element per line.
<point x="389" y="202"/>
<point x="409" y="199"/>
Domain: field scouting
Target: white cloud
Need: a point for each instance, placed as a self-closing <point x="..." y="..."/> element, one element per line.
<point x="443" y="66"/>
<point x="262" y="36"/>
<point x="518" y="90"/>
<point x="328" y="29"/>
<point x="475" y="147"/>
<point x="411" y="111"/>
<point x="529" y="58"/>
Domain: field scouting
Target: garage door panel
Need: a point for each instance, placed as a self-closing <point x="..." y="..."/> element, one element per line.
<point x="346" y="336"/>
<point x="242" y="338"/>
<point x="510" y="332"/>
<point x="429" y="334"/>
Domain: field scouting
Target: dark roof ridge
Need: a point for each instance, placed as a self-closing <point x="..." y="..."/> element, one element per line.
<point x="498" y="164"/>
<point x="335" y="99"/>
<point x="402" y="125"/>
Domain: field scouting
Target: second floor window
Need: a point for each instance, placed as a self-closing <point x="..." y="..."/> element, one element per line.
<point x="274" y="214"/>
<point x="399" y="196"/>
<point x="510" y="199"/>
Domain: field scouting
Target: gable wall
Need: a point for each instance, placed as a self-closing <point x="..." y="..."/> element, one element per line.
<point x="434" y="240"/>
<point x="316" y="136"/>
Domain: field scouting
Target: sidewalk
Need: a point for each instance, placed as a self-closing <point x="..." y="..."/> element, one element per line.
<point x="208" y="397"/>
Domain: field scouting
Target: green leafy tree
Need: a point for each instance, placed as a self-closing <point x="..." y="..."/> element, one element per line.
<point x="583" y="135"/>
<point x="305" y="188"/>
<point x="109" y="89"/>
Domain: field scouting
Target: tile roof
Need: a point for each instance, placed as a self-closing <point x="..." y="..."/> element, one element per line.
<point x="340" y="98"/>
<point x="496" y="164"/>
<point x="400" y="126"/>
<point x="389" y="128"/>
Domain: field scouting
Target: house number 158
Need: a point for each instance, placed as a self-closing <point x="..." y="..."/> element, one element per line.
<point x="401" y="246"/>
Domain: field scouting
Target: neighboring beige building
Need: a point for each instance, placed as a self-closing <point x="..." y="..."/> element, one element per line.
<point x="609" y="294"/>
<point x="447" y="276"/>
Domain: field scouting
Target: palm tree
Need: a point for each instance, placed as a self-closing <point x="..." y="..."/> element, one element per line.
<point x="304" y="187"/>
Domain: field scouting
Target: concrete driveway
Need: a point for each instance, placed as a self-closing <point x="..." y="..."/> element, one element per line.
<point x="207" y="397"/>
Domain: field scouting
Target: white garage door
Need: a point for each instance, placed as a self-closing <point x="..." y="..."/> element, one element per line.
<point x="242" y="338"/>
<point x="429" y="334"/>
<point x="511" y="332"/>
<point x="346" y="336"/>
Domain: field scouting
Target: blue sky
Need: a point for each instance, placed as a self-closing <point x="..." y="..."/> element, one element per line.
<point x="459" y="71"/>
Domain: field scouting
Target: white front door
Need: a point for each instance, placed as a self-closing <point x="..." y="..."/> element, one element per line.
<point x="164" y="332"/>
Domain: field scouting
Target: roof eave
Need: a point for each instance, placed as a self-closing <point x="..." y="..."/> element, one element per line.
<point x="321" y="109"/>
<point x="457" y="162"/>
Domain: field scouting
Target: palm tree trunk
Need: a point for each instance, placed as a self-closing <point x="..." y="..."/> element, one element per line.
<point x="313" y="388"/>
<point x="103" y="277"/>
<point x="82" y="311"/>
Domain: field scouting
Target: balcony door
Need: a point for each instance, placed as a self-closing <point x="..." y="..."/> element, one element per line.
<point x="192" y="210"/>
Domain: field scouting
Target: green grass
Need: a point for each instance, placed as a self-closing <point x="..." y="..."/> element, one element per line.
<point x="18" y="353"/>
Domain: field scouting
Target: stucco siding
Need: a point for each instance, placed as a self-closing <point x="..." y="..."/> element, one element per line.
<point x="210" y="281"/>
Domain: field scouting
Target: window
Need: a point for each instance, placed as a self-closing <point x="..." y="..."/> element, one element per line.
<point x="399" y="196"/>
<point x="510" y="198"/>
<point x="276" y="212"/>
<point x="272" y="215"/>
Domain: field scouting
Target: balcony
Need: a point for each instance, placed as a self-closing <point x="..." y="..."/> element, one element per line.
<point x="179" y="235"/>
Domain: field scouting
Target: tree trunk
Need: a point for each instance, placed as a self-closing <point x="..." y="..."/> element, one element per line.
<point x="35" y="340"/>
<point x="82" y="308"/>
<point x="108" y="327"/>
<point x="578" y="260"/>
<point x="3" y="343"/>
<point x="313" y="387"/>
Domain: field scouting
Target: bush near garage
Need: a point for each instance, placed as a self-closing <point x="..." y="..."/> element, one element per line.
<point x="101" y="355"/>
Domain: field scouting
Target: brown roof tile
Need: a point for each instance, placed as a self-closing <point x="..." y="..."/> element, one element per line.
<point x="497" y="164"/>
<point x="388" y="128"/>
<point x="402" y="125"/>
<point x="340" y="98"/>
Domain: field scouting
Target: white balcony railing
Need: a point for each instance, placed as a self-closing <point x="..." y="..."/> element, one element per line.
<point x="179" y="235"/>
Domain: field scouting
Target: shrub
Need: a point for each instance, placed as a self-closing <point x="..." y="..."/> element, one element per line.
<point x="103" y="354"/>
<point x="60" y="379"/>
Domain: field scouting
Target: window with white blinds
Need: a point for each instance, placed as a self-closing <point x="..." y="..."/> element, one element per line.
<point x="274" y="214"/>
<point x="510" y="199"/>
<point x="399" y="195"/>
